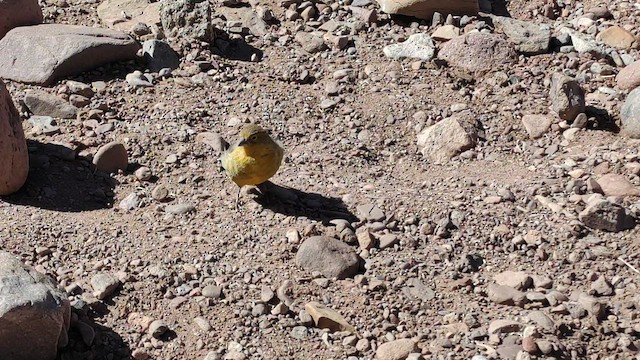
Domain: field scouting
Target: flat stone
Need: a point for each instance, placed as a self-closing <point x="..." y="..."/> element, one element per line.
<point x="111" y="157"/>
<point x="504" y="326"/>
<point x="396" y="349"/>
<point x="14" y="13"/>
<point x="212" y="291"/>
<point x="417" y="46"/>
<point x="629" y="77"/>
<point x="630" y="114"/>
<point x="518" y="280"/>
<point x="536" y="125"/>
<point x="45" y="104"/>
<point x="370" y="212"/>
<point x="14" y="156"/>
<point x="478" y="52"/>
<point x="528" y="38"/>
<point x="617" y="185"/>
<point x="617" y="37"/>
<point x="446" y="33"/>
<point x="505" y="295"/>
<point x="179" y="209"/>
<point x="62" y="50"/>
<point x="584" y="44"/>
<point x="424" y="9"/>
<point x="332" y="257"/>
<point x="325" y="318"/>
<point x="447" y="138"/>
<point x="567" y="97"/>
<point x="541" y="319"/>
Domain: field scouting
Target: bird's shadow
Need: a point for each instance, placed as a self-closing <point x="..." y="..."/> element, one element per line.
<point x="62" y="181"/>
<point x="293" y="202"/>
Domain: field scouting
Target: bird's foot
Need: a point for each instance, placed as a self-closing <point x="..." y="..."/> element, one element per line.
<point x="251" y="192"/>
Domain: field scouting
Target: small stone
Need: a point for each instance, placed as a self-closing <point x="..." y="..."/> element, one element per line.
<point x="629" y="77"/>
<point x="365" y="239"/>
<point x="137" y="79"/>
<point x="160" y="193"/>
<point x="396" y="350"/>
<point x="111" y="157"/>
<point x="505" y="295"/>
<point x="504" y="326"/>
<point x="387" y="241"/>
<point x="529" y="345"/>
<point x="325" y="318"/>
<point x="158" y="328"/>
<point x="311" y="43"/>
<point x="418" y="46"/>
<point x="332" y="257"/>
<point x="212" y="291"/>
<point x="447" y="138"/>
<point x="140" y="354"/>
<point x="541" y="319"/>
<point x="130" y="202"/>
<point x="202" y="323"/>
<point x="143" y="173"/>
<point x="370" y="212"/>
<point x="567" y="97"/>
<point x="179" y="209"/>
<point x="104" y="285"/>
<point x="536" y="125"/>
<point x="515" y="279"/>
<point x="445" y="33"/>
<point x="602" y="287"/>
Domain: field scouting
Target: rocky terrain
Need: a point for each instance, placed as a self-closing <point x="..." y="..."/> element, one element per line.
<point x="454" y="187"/>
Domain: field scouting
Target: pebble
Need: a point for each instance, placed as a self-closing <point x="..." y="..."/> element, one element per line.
<point x="179" y="209"/>
<point x="396" y="349"/>
<point x="158" y="328"/>
<point x="104" y="285"/>
<point x="111" y="157"/>
<point x="326" y="318"/>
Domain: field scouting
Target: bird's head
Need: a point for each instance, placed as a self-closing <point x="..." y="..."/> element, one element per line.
<point x="253" y="134"/>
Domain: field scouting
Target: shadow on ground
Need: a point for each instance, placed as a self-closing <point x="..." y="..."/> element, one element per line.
<point x="234" y="49"/>
<point x="293" y="202"/>
<point x="602" y="120"/>
<point x="59" y="180"/>
<point x="106" y="345"/>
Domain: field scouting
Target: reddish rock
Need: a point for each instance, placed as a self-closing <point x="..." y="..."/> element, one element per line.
<point x="14" y="158"/>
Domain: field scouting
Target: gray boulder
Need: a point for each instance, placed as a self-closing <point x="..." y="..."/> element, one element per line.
<point x="44" y="53"/>
<point x="630" y="114"/>
<point x="34" y="313"/>
<point x="188" y="18"/>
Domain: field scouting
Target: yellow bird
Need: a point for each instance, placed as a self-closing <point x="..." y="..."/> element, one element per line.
<point x="253" y="159"/>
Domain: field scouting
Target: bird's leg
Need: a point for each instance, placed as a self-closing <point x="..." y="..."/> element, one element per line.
<point x="238" y="198"/>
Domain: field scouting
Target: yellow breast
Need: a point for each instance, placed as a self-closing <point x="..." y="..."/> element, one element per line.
<point x="252" y="164"/>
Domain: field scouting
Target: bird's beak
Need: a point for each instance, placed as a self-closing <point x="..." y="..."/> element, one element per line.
<point x="242" y="142"/>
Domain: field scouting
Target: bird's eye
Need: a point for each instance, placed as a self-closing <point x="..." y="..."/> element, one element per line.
<point x="254" y="137"/>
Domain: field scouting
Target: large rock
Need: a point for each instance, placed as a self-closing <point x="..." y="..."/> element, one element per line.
<point x="418" y="46"/>
<point x="603" y="215"/>
<point x="15" y="13"/>
<point x="478" y="52"/>
<point x="567" y="97"/>
<point x="630" y="114"/>
<point x="617" y="37"/>
<point x="332" y="257"/>
<point x="34" y="313"/>
<point x="447" y="138"/>
<point x="629" y="77"/>
<point x="44" y="53"/>
<point x="14" y="157"/>
<point x="617" y="185"/>
<point x="424" y="9"/>
<point x="45" y="104"/>
<point x="159" y="55"/>
<point x="125" y="14"/>
<point x="528" y="38"/>
<point x="188" y="18"/>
